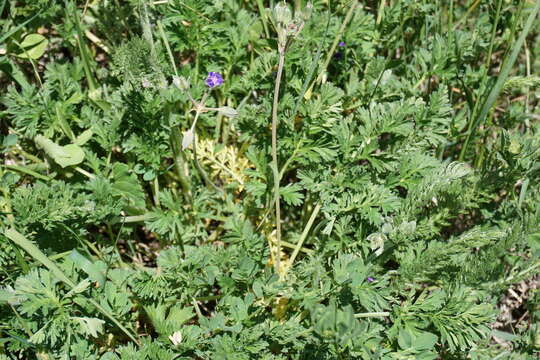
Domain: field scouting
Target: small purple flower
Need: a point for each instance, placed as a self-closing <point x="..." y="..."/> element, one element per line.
<point x="370" y="279"/>
<point x="214" y="79"/>
<point x="341" y="44"/>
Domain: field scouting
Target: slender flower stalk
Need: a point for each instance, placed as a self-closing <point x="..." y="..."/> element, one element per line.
<point x="274" y="156"/>
<point x="213" y="80"/>
<point x="287" y="27"/>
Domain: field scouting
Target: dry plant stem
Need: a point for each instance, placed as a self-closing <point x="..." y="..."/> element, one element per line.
<point x="274" y="156"/>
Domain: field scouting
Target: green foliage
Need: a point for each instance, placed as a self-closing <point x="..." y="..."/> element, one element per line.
<point x="398" y="241"/>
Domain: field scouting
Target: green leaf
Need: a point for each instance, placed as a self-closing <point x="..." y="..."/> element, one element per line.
<point x="127" y="186"/>
<point x="63" y="155"/>
<point x="425" y="341"/>
<point x="9" y="140"/>
<point x="33" y="46"/>
<point x="94" y="271"/>
<point x="83" y="137"/>
<point x="89" y="326"/>
<point x="291" y="194"/>
<point x="37" y="254"/>
<point x="79" y="288"/>
<point x="503" y="335"/>
<point x="32" y="39"/>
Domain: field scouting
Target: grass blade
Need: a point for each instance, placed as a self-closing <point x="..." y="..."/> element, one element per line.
<point x="503" y="75"/>
<point x="18" y="27"/>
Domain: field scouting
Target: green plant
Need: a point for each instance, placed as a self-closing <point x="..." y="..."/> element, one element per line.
<point x="205" y="179"/>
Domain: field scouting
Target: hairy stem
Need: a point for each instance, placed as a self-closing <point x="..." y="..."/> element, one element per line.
<point x="275" y="168"/>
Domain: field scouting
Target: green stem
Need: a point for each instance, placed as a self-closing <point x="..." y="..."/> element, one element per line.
<point x="85" y="173"/>
<point x="135" y="218"/>
<point x="85" y="56"/>
<point x="274" y="155"/>
<point x="167" y="46"/>
<point x="156" y="192"/>
<point x="485" y="75"/>
<point x="24" y="170"/>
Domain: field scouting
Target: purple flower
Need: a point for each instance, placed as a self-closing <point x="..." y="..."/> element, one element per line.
<point x="341" y="44"/>
<point x="214" y="79"/>
<point x="370" y="279"/>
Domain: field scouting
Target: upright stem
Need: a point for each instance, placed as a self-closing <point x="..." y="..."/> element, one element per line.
<point x="274" y="156"/>
<point x="203" y="173"/>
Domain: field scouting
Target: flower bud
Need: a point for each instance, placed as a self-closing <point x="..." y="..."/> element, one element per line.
<point x="188" y="138"/>
<point x="227" y="111"/>
<point x="176" y="338"/>
<point x="181" y="83"/>
<point x="282" y="13"/>
<point x="305" y="14"/>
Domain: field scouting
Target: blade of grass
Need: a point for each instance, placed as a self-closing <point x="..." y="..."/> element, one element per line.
<point x="167" y="46"/>
<point x="304" y="235"/>
<point x="24" y="170"/>
<point x="38" y="255"/>
<point x="501" y="79"/>
<point x="17" y="28"/>
<point x="469" y="11"/>
<point x="330" y="54"/>
<point x="83" y="49"/>
<point x="262" y="14"/>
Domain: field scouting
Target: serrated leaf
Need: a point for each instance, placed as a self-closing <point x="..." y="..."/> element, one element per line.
<point x="291" y="194"/>
<point x="92" y="269"/>
<point x="89" y="326"/>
